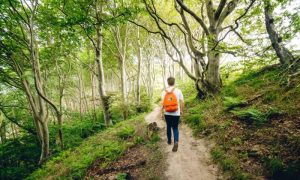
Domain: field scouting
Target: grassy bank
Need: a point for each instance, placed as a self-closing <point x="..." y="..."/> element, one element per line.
<point x="19" y="156"/>
<point x="106" y="145"/>
<point x="255" y="124"/>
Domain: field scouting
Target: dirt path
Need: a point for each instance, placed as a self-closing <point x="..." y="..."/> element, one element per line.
<point x="192" y="160"/>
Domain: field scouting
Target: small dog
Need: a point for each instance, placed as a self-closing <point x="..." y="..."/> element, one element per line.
<point x="152" y="128"/>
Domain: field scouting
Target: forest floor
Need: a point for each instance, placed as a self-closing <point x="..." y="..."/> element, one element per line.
<point x="192" y="160"/>
<point x="154" y="159"/>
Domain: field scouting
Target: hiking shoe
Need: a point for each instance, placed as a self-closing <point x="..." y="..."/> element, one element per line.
<point x="175" y="147"/>
<point x="169" y="142"/>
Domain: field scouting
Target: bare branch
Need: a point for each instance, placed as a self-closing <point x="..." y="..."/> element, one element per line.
<point x="149" y="31"/>
<point x="189" y="33"/>
<point x="233" y="29"/>
<point x="227" y="11"/>
<point x="220" y="9"/>
<point x="197" y="18"/>
<point x="210" y="12"/>
<point x="18" y="13"/>
<point x="180" y="61"/>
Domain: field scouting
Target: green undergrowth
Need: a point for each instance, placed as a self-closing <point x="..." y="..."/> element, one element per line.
<point x="117" y="107"/>
<point x="107" y="145"/>
<point x="254" y="121"/>
<point x="19" y="156"/>
<point x="229" y="164"/>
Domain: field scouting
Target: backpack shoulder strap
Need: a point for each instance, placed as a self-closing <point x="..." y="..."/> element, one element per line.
<point x="170" y="91"/>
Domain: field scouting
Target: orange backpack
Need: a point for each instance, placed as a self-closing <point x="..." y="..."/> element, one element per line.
<point x="170" y="101"/>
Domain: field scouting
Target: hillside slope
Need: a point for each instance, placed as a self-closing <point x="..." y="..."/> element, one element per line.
<point x="114" y="152"/>
<point x="255" y="122"/>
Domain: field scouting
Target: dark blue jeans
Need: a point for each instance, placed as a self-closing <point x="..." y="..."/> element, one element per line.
<point x="172" y="122"/>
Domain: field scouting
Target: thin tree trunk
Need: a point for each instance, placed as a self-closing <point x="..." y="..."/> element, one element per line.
<point x="2" y="130"/>
<point x="181" y="74"/>
<point x="60" y="133"/>
<point x="170" y="72"/>
<point x="45" y="141"/>
<point x="164" y="72"/>
<point x="85" y="102"/>
<point x="12" y="130"/>
<point x="124" y="87"/>
<point x="173" y="70"/>
<point x="192" y="66"/>
<point x="121" y="44"/>
<point x="149" y="79"/>
<point x="93" y="97"/>
<point x="284" y="55"/>
<point x="12" y="125"/>
<point x="42" y="115"/>
<point x="60" y="119"/>
<point x="80" y="97"/>
<point x="101" y="82"/>
<point x="138" y="82"/>
<point x="59" y="116"/>
<point x="93" y="87"/>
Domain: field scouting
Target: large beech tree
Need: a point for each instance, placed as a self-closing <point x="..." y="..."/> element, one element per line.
<point x="204" y="50"/>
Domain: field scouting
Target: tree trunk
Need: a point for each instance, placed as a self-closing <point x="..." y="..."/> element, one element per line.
<point x="93" y="86"/>
<point x="45" y="141"/>
<point x="213" y="73"/>
<point x="86" y="104"/>
<point x="104" y="98"/>
<point x="197" y="67"/>
<point x="121" y="45"/>
<point x="42" y="115"/>
<point x="13" y="130"/>
<point x="170" y="70"/>
<point x="212" y="76"/>
<point x="60" y="133"/>
<point x="2" y="130"/>
<point x="149" y="79"/>
<point x="93" y="97"/>
<point x="173" y="70"/>
<point x="192" y="66"/>
<point x="284" y="55"/>
<point x="80" y="96"/>
<point x="164" y="73"/>
<point x="138" y="82"/>
<point x="124" y="86"/>
<point x="59" y="117"/>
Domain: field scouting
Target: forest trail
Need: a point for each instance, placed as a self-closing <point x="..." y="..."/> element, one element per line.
<point x="192" y="160"/>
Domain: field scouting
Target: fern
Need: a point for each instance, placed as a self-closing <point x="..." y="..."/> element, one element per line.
<point x="233" y="102"/>
<point x="251" y="116"/>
